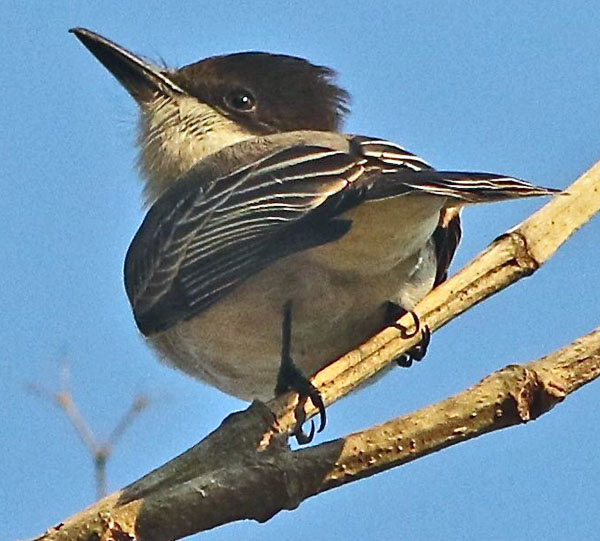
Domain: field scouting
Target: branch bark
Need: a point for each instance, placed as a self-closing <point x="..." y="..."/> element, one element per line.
<point x="245" y="468"/>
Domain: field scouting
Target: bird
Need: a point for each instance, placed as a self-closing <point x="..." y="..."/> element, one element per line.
<point x="259" y="203"/>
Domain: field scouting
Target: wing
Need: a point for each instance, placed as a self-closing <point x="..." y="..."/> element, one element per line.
<point x="210" y="232"/>
<point x="404" y="172"/>
<point x="202" y="239"/>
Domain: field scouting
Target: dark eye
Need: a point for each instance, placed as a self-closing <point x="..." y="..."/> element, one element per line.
<point x="240" y="100"/>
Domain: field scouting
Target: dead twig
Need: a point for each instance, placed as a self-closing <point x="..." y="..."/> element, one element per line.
<point x="100" y="450"/>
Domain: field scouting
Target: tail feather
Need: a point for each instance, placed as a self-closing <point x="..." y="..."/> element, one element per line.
<point x="475" y="187"/>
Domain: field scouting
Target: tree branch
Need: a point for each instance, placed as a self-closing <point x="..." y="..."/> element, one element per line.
<point x="516" y="394"/>
<point x="245" y="469"/>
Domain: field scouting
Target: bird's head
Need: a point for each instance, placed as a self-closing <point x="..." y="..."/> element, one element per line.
<point x="191" y="112"/>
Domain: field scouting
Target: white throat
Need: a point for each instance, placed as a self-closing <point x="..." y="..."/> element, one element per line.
<point x="175" y="134"/>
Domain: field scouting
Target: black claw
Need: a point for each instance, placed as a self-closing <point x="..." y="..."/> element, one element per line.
<point x="290" y="378"/>
<point x="317" y="400"/>
<point x="417" y="322"/>
<point x="301" y="437"/>
<point x="394" y="312"/>
<point x="420" y="350"/>
<point x="405" y="360"/>
<point x="417" y="352"/>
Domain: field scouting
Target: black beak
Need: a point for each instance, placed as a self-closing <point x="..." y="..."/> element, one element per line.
<point x="140" y="78"/>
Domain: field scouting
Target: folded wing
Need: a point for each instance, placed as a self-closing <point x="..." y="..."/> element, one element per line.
<point x="209" y="233"/>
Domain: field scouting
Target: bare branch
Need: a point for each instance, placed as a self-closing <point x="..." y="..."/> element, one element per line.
<point x="99" y="450"/>
<point x="516" y="394"/>
<point x="139" y="404"/>
<point x="245" y="469"/>
<point x="64" y="400"/>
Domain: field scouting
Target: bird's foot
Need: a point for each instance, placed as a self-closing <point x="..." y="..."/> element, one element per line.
<point x="291" y="378"/>
<point x="417" y="352"/>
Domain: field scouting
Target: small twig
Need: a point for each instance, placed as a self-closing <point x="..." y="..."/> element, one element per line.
<point x="139" y="404"/>
<point x="65" y="401"/>
<point x="99" y="450"/>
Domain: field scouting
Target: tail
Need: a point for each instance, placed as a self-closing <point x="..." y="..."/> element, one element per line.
<point x="474" y="187"/>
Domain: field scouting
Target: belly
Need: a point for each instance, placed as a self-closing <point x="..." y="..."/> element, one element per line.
<point x="339" y="293"/>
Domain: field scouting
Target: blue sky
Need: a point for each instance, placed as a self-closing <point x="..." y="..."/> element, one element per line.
<point x="510" y="87"/>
